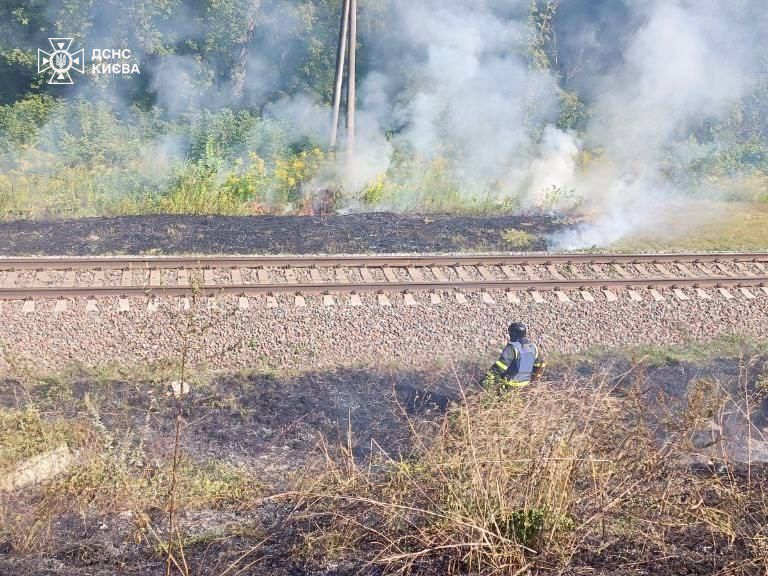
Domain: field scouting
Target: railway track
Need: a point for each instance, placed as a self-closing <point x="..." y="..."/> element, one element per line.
<point x="93" y="277"/>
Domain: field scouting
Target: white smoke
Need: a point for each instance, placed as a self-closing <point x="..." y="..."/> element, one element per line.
<point x="309" y="118"/>
<point x="555" y="164"/>
<point x="453" y="79"/>
<point x="628" y="204"/>
<point x="471" y="95"/>
<point x="177" y="83"/>
<point x="690" y="60"/>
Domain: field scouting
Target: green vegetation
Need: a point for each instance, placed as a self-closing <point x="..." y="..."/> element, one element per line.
<point x="102" y="164"/>
<point x="228" y="113"/>
<point x="517" y="239"/>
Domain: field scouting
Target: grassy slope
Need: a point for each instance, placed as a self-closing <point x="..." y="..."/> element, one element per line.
<point x="566" y="470"/>
<point x="705" y="226"/>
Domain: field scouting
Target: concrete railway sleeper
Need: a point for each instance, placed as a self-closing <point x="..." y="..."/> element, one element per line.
<point x="27" y="278"/>
<point x="149" y="262"/>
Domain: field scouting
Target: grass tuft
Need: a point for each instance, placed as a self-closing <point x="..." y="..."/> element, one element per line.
<point x="24" y="433"/>
<point x="518" y="239"/>
<point x="544" y="479"/>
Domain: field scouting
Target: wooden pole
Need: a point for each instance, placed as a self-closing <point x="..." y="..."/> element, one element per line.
<point x="339" y="79"/>
<point x="351" y="81"/>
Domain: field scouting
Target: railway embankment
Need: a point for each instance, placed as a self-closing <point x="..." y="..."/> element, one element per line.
<point x="332" y="330"/>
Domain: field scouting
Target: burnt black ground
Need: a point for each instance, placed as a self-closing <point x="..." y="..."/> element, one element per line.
<point x="257" y="417"/>
<point x="379" y="232"/>
<point x="275" y="425"/>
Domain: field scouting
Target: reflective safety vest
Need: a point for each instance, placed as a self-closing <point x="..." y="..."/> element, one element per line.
<point x="526" y="354"/>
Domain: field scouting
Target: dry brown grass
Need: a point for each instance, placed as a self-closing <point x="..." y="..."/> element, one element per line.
<point x="563" y="477"/>
<point x="573" y="476"/>
<point x="114" y="476"/>
<point x="113" y="471"/>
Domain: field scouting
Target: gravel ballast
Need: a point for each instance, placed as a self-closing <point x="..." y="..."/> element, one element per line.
<point x="287" y="337"/>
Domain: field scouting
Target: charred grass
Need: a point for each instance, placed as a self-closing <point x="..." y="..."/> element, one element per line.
<point x="363" y="233"/>
<point x="111" y="501"/>
<point x="604" y="468"/>
<point x="569" y="477"/>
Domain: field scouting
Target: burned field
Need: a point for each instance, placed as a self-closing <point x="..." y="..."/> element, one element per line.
<point x="236" y="339"/>
<point x="247" y="439"/>
<point x="613" y="465"/>
<point x="331" y="454"/>
<point x="381" y="232"/>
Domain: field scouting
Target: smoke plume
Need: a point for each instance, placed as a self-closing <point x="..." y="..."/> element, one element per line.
<point x="478" y="84"/>
<point x="686" y="62"/>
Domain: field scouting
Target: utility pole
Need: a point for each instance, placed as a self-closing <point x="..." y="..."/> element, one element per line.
<point x="339" y="79"/>
<point x="351" y="82"/>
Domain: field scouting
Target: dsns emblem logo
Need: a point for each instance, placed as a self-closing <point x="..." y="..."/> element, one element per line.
<point x="60" y="61"/>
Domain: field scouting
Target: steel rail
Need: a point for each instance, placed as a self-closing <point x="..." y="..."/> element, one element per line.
<point x="407" y="286"/>
<point x="153" y="262"/>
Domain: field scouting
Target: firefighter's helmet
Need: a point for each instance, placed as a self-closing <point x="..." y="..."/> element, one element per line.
<point x="517" y="331"/>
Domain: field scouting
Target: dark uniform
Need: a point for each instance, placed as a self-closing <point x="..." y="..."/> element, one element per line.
<point x="519" y="363"/>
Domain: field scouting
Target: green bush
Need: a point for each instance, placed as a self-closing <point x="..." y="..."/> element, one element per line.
<point x="519" y="239"/>
<point x="20" y="122"/>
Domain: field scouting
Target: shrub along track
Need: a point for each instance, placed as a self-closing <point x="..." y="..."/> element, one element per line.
<point x="63" y="277"/>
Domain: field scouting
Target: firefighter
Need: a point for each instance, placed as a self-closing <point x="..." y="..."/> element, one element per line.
<point x="519" y="364"/>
